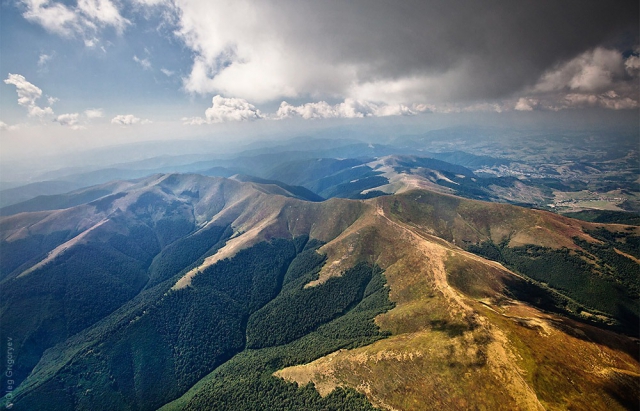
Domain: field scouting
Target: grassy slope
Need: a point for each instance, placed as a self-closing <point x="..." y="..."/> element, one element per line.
<point x="471" y="346"/>
<point x="458" y="322"/>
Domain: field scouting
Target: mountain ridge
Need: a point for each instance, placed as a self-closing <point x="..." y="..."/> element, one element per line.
<point x="442" y="293"/>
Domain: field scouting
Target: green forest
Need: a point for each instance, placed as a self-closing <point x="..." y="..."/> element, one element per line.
<point x="593" y="278"/>
<point x="154" y="348"/>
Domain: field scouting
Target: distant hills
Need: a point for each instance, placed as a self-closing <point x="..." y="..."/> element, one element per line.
<point x="561" y="171"/>
<point x="191" y="292"/>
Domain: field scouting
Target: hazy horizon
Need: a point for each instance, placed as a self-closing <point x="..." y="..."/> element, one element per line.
<point x="82" y="75"/>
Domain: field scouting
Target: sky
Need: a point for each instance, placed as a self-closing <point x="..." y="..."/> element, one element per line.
<point x="89" y="73"/>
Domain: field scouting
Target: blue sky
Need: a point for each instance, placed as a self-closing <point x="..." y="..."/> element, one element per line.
<point x="100" y="72"/>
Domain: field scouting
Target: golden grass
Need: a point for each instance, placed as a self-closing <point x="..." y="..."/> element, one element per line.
<point x="455" y="350"/>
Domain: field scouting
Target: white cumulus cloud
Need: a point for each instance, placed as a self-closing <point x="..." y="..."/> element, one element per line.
<point x="350" y="108"/>
<point x="632" y="65"/>
<point x="526" y="104"/>
<point x="69" y="120"/>
<point x="28" y="94"/>
<point x="609" y="100"/>
<point x="53" y="17"/>
<point x="85" y="19"/>
<point x="193" y="121"/>
<point x="103" y="12"/>
<point x="128" y="120"/>
<point x="231" y="109"/>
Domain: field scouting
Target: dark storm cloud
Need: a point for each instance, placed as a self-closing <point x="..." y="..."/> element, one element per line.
<point x="441" y="50"/>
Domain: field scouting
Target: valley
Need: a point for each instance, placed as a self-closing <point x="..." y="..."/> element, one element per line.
<point x="231" y="288"/>
<point x="302" y="205"/>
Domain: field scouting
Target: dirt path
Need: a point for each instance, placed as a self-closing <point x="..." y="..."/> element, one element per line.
<point x="500" y="357"/>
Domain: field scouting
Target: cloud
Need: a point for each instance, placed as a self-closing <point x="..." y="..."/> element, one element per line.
<point x="593" y="70"/>
<point x="193" y="121"/>
<point x="5" y="127"/>
<point x="417" y="51"/>
<point x="235" y="109"/>
<point x="69" y="120"/>
<point x="85" y="19"/>
<point x="35" y="111"/>
<point x="28" y="94"/>
<point x="608" y="100"/>
<point x="44" y="59"/>
<point x="128" y="120"/>
<point x="94" y="113"/>
<point x="632" y="65"/>
<point x="599" y="77"/>
<point x="103" y="12"/>
<point x="150" y="3"/>
<point x="526" y="104"/>
<point x="231" y="109"/>
<point x="350" y="108"/>
<point x="53" y="17"/>
<point x="166" y="72"/>
<point x="145" y="63"/>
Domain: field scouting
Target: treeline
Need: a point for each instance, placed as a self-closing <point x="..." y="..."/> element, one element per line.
<point x="72" y="292"/>
<point x="187" y="252"/>
<point x="607" y="283"/>
<point x="276" y="394"/>
<point x="162" y="342"/>
<point x="24" y="251"/>
<point x="299" y="311"/>
<point x="246" y="381"/>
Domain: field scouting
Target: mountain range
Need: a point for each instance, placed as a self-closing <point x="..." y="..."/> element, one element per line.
<point x="319" y="283"/>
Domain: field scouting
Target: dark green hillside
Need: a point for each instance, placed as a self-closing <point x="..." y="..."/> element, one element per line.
<point x="246" y="381"/>
<point x="596" y="279"/>
<point x="148" y="357"/>
<point x="156" y="347"/>
<point x="604" y="216"/>
<point x="186" y="252"/>
<point x="72" y="292"/>
<point x="25" y="252"/>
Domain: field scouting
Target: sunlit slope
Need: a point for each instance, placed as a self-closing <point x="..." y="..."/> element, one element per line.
<point x="460" y="340"/>
<point x="222" y="270"/>
<point x="461" y="337"/>
<point x="64" y="270"/>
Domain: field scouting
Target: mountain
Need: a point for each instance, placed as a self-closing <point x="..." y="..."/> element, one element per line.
<point x="23" y="193"/>
<point x="187" y="292"/>
<point x="562" y="171"/>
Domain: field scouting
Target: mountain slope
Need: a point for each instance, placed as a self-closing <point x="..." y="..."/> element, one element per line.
<point x="233" y="282"/>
